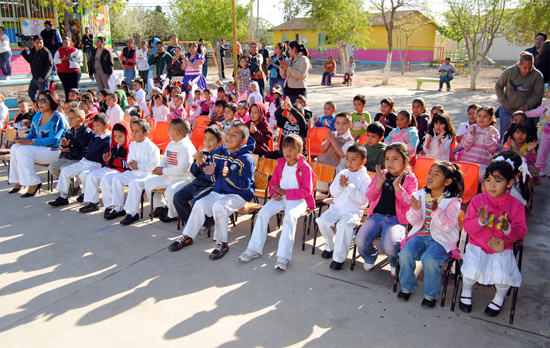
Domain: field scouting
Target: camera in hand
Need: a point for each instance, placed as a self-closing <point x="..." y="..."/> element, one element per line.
<point x="24" y="41"/>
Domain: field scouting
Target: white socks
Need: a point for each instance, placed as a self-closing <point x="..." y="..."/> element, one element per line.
<point x="500" y="295"/>
<point x="467" y="285"/>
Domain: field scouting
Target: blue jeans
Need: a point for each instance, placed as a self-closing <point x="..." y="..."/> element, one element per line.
<point x="504" y="117"/>
<point x="205" y="68"/>
<point x="433" y="256"/>
<point x="5" y="58"/>
<point x="275" y="81"/>
<point x="377" y="225"/>
<point x="129" y="75"/>
<point x="36" y="86"/>
<point x="446" y="80"/>
<point x="327" y="76"/>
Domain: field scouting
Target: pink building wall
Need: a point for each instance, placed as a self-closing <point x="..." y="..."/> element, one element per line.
<point x="19" y="65"/>
<point x="375" y="55"/>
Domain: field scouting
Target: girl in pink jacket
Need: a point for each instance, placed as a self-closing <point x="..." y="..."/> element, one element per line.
<point x="389" y="194"/>
<point x="291" y="189"/>
<point x="406" y="132"/>
<point x="435" y="231"/>
<point x="494" y="221"/>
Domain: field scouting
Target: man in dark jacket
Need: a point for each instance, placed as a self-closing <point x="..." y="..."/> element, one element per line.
<point x="52" y="39"/>
<point x="41" y="62"/>
<point x="539" y="40"/>
<point x="222" y="55"/>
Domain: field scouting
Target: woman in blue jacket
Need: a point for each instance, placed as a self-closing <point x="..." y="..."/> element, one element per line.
<point x="40" y="146"/>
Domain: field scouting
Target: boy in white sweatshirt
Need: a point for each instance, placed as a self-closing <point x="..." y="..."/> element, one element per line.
<point x="173" y="171"/>
<point x="115" y="112"/>
<point x="143" y="157"/>
<point x="349" y="190"/>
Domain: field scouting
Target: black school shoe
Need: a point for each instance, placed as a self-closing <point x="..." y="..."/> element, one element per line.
<point x="404" y="296"/>
<point x="114" y="214"/>
<point x="336" y="265"/>
<point x="466" y="308"/>
<point x="129" y="219"/>
<point x="80" y="198"/>
<point x="426" y="303"/>
<point x="59" y="201"/>
<point x="107" y="211"/>
<point x="181" y="243"/>
<point x="219" y="251"/>
<point x="89" y="207"/>
<point x="159" y="211"/>
<point x="164" y="218"/>
<point x="326" y="254"/>
<point x="493" y="312"/>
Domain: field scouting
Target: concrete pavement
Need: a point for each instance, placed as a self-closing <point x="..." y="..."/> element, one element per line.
<point x="72" y="279"/>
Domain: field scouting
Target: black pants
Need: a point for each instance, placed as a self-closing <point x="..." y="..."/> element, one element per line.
<point x="293" y="93"/>
<point x="185" y="198"/>
<point x="69" y="81"/>
<point x="261" y="84"/>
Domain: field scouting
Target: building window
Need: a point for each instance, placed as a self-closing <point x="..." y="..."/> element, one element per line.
<point x="284" y="37"/>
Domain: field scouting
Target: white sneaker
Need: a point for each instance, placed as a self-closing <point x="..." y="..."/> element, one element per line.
<point x="281" y="264"/>
<point x="7" y="78"/>
<point x="368" y="266"/>
<point x="248" y="255"/>
<point x="203" y="230"/>
<point x="392" y="271"/>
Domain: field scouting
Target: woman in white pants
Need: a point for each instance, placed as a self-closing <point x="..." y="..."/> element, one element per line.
<point x="41" y="145"/>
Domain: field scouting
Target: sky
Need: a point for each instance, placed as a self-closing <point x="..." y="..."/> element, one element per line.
<point x="269" y="9"/>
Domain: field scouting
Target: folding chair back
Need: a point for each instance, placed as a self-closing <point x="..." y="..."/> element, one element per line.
<point x="421" y="169"/>
<point x="161" y="137"/>
<point x="470" y="171"/>
<point x="197" y="137"/>
<point x="267" y="165"/>
<point x="152" y="122"/>
<point x="315" y="137"/>
<point x="202" y="121"/>
<point x="362" y="139"/>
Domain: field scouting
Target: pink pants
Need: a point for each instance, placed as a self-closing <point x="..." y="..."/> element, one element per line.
<point x="544" y="150"/>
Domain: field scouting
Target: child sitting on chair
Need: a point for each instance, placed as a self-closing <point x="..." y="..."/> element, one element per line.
<point x="349" y="190"/>
<point x="440" y="137"/>
<point x="375" y="146"/>
<point x="294" y="123"/>
<point x="232" y="171"/>
<point x="405" y="132"/>
<point x="327" y="120"/>
<point x="337" y="143"/>
<point x="173" y="171"/>
<point x="291" y="189"/>
<point x="218" y="114"/>
<point x="114" y="111"/>
<point x="360" y="118"/>
<point x="435" y="231"/>
<point x="98" y="144"/>
<point x="494" y="222"/>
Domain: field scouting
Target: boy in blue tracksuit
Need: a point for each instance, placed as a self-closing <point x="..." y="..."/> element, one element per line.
<point x="232" y="173"/>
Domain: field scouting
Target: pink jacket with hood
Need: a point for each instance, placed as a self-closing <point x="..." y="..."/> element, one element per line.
<point x="305" y="177"/>
<point x="402" y="198"/>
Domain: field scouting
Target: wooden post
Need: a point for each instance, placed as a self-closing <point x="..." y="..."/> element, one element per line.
<point x="235" y="53"/>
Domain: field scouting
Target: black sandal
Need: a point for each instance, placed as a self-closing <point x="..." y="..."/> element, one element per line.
<point x="465" y="307"/>
<point x="493" y="312"/>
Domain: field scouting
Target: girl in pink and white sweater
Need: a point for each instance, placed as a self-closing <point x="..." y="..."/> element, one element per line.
<point x="494" y="221"/>
<point x="406" y="132"/>
<point x="544" y="146"/>
<point x="481" y="142"/>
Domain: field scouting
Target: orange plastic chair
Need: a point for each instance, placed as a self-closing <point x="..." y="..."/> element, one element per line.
<point x="421" y="169"/>
<point x="470" y="171"/>
<point x="126" y="118"/>
<point x="316" y="136"/>
<point x="271" y="144"/>
<point x="197" y="137"/>
<point x="161" y="137"/>
<point x="152" y="122"/>
<point x="202" y="121"/>
<point x="362" y="139"/>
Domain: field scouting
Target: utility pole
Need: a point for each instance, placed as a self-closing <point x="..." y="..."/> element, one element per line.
<point x="251" y="22"/>
<point x="258" y="20"/>
<point x="235" y="53"/>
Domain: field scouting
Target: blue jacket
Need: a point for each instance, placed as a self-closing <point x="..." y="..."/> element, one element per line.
<point x="327" y="122"/>
<point x="51" y="133"/>
<point x="97" y="145"/>
<point x="240" y="179"/>
<point x="202" y="180"/>
<point x="77" y="145"/>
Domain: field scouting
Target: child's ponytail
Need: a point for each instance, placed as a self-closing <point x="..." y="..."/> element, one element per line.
<point x="452" y="171"/>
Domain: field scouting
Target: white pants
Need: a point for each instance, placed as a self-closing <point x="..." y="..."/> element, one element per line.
<point x="171" y="184"/>
<point x="91" y="191"/>
<point x="114" y="186"/>
<point x="345" y="224"/>
<point x="218" y="205"/>
<point x="22" y="161"/>
<point x="80" y="169"/>
<point x="293" y="211"/>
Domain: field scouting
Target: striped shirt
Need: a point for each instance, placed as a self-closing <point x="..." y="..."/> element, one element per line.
<point x="171" y="158"/>
<point x="425" y="231"/>
<point x="479" y="148"/>
<point x="198" y="59"/>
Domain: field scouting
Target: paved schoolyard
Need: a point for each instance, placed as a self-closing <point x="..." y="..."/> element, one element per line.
<point x="71" y="279"/>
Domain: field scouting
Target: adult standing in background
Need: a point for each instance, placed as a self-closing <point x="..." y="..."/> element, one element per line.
<point x="193" y="62"/>
<point x="295" y="71"/>
<point x="273" y="66"/>
<point x="256" y="61"/>
<point x="519" y="87"/>
<point x="128" y="58"/>
<point x="41" y="62"/>
<point x="68" y="60"/>
<point x="5" y="54"/>
<point x="539" y="39"/>
<point x="87" y="43"/>
<point x="51" y="38"/>
<point x="265" y="54"/>
<point x="175" y="43"/>
<point x="446" y="74"/>
<point x="101" y="64"/>
<point x="222" y="55"/>
<point x="160" y="59"/>
<point x="542" y="62"/>
<point x="142" y="63"/>
<point x="204" y="51"/>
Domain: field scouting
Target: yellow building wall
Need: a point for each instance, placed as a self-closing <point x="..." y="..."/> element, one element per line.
<point x="377" y="35"/>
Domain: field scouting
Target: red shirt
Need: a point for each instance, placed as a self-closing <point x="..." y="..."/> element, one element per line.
<point x="330" y="66"/>
<point x="64" y="66"/>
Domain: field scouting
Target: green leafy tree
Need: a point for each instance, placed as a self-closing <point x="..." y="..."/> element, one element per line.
<point x="139" y="23"/>
<point x="528" y="19"/>
<point x="291" y="9"/>
<point x="451" y="29"/>
<point x="479" y="22"/>
<point x="344" y="21"/>
<point x="208" y="19"/>
<point x="388" y="9"/>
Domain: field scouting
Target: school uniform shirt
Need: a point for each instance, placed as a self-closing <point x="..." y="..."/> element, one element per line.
<point x="77" y="146"/>
<point x="116" y="114"/>
<point x="141" y="101"/>
<point x="97" y="144"/>
<point x="146" y="154"/>
<point x="119" y="153"/>
<point x="351" y="198"/>
<point x="178" y="158"/>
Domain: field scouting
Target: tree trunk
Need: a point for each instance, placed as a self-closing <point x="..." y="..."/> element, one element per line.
<point x="474" y="70"/>
<point x="387" y="68"/>
<point x="344" y="59"/>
